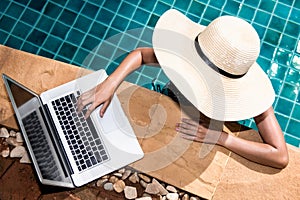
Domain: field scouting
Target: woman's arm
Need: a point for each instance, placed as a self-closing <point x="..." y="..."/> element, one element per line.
<point x="273" y="152"/>
<point x="102" y="93"/>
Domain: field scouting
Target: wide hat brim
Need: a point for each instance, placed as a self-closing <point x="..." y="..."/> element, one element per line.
<point x="216" y="96"/>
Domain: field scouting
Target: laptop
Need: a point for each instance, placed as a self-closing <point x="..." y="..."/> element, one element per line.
<point x="66" y="149"/>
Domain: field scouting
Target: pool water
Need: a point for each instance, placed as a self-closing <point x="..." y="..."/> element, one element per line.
<point x="98" y="34"/>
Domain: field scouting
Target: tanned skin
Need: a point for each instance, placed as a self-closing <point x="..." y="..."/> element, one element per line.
<point x="272" y="152"/>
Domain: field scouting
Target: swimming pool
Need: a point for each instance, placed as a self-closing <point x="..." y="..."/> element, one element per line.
<point x="98" y="34"/>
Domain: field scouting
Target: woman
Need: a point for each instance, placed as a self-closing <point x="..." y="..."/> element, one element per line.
<point x="214" y="68"/>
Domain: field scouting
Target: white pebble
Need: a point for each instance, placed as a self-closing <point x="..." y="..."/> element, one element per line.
<point x="171" y="189"/>
<point x="17" y="152"/>
<point x="25" y="158"/>
<point x="144" y="198"/>
<point x="172" y="196"/>
<point x="12" y="133"/>
<point x="130" y="192"/>
<point x="4" y="132"/>
<point x="5" y="152"/>
<point x="108" y="186"/>
<point x="19" y="137"/>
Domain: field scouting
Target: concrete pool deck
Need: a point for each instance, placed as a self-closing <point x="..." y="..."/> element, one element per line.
<point x="220" y="174"/>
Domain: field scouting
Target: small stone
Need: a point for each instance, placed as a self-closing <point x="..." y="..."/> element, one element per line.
<point x="113" y="179"/>
<point x="5" y="152"/>
<point x="185" y="197"/>
<point x="13" y="141"/>
<point x="12" y="133"/>
<point x="194" y="198"/>
<point x="162" y="190"/>
<point x="146" y="195"/>
<point x="172" y="196"/>
<point x="119" y="175"/>
<point x="171" y="189"/>
<point x="152" y="188"/>
<point x="134" y="178"/>
<point x="144" y="198"/>
<point x="101" y="182"/>
<point x="105" y="177"/>
<point x="143" y="184"/>
<point x="17" y="152"/>
<point x="4" y="132"/>
<point x="130" y="192"/>
<point x="119" y="186"/>
<point x="25" y="158"/>
<point x="126" y="174"/>
<point x="145" y="178"/>
<point x="19" y="137"/>
<point x="121" y="170"/>
<point x="108" y="186"/>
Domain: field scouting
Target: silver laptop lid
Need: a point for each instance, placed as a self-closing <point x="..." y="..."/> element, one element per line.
<point x="38" y="136"/>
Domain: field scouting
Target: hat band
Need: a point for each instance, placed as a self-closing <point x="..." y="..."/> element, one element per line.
<point x="212" y="65"/>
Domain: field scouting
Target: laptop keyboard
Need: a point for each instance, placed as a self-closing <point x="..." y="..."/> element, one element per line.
<point x="40" y="147"/>
<point x="85" y="143"/>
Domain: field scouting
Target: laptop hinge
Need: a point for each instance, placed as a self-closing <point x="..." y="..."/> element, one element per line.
<point x="55" y="136"/>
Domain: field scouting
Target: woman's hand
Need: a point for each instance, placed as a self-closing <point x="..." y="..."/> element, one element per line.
<point x="198" y="131"/>
<point x="102" y="94"/>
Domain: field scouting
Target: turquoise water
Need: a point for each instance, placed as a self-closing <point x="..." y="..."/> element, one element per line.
<point x="98" y="34"/>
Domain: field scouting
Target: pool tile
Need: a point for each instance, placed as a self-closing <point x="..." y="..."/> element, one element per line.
<point x="89" y="10"/>
<point x="75" y="36"/>
<point x="295" y="15"/>
<point x="296" y="62"/>
<point x="182" y="5"/>
<point x="21" y="30"/>
<point x="14" y="10"/>
<point x="218" y="4"/>
<point x="52" y="43"/>
<point x="292" y="140"/>
<point x="288" y="42"/>
<point x="262" y="18"/>
<point x="112" y="5"/>
<point x="37" y="37"/>
<point x="197" y="8"/>
<point x="105" y="16"/>
<point x="37" y="5"/>
<point x="253" y="3"/>
<point x="161" y="7"/>
<point x="277" y="23"/>
<point x="60" y="30"/>
<point x="147" y="5"/>
<point x="4" y="5"/>
<point x="141" y="16"/>
<point x="272" y="37"/>
<point x="293" y="76"/>
<point x="282" y="10"/>
<point x="45" y="23"/>
<point x="265" y="64"/>
<point x="289" y="91"/>
<point x="30" y="48"/>
<point x="14" y="42"/>
<point x="297" y="4"/>
<point x="67" y="17"/>
<point x="292" y="29"/>
<point x="261" y="30"/>
<point x="296" y="111"/>
<point x="128" y="43"/>
<point x="60" y="2"/>
<point x="24" y="2"/>
<point x="152" y="20"/>
<point x="67" y="50"/>
<point x="211" y="13"/>
<point x="52" y="10"/>
<point x="126" y="9"/>
<point x="3" y="36"/>
<point x="267" y="5"/>
<point x="90" y="42"/>
<point x="293" y="128"/>
<point x="80" y="56"/>
<point x="232" y="7"/>
<point x="283" y="57"/>
<point x="247" y="12"/>
<point x="120" y="23"/>
<point x="46" y="54"/>
<point x="278" y="71"/>
<point x="83" y="23"/>
<point x="98" y="30"/>
<point x="277" y="84"/>
<point x="75" y="6"/>
<point x="7" y="23"/>
<point x="284" y="106"/>
<point x="267" y="50"/>
<point x="283" y="121"/>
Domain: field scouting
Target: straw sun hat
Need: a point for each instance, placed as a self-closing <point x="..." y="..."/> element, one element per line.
<point x="214" y="67"/>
